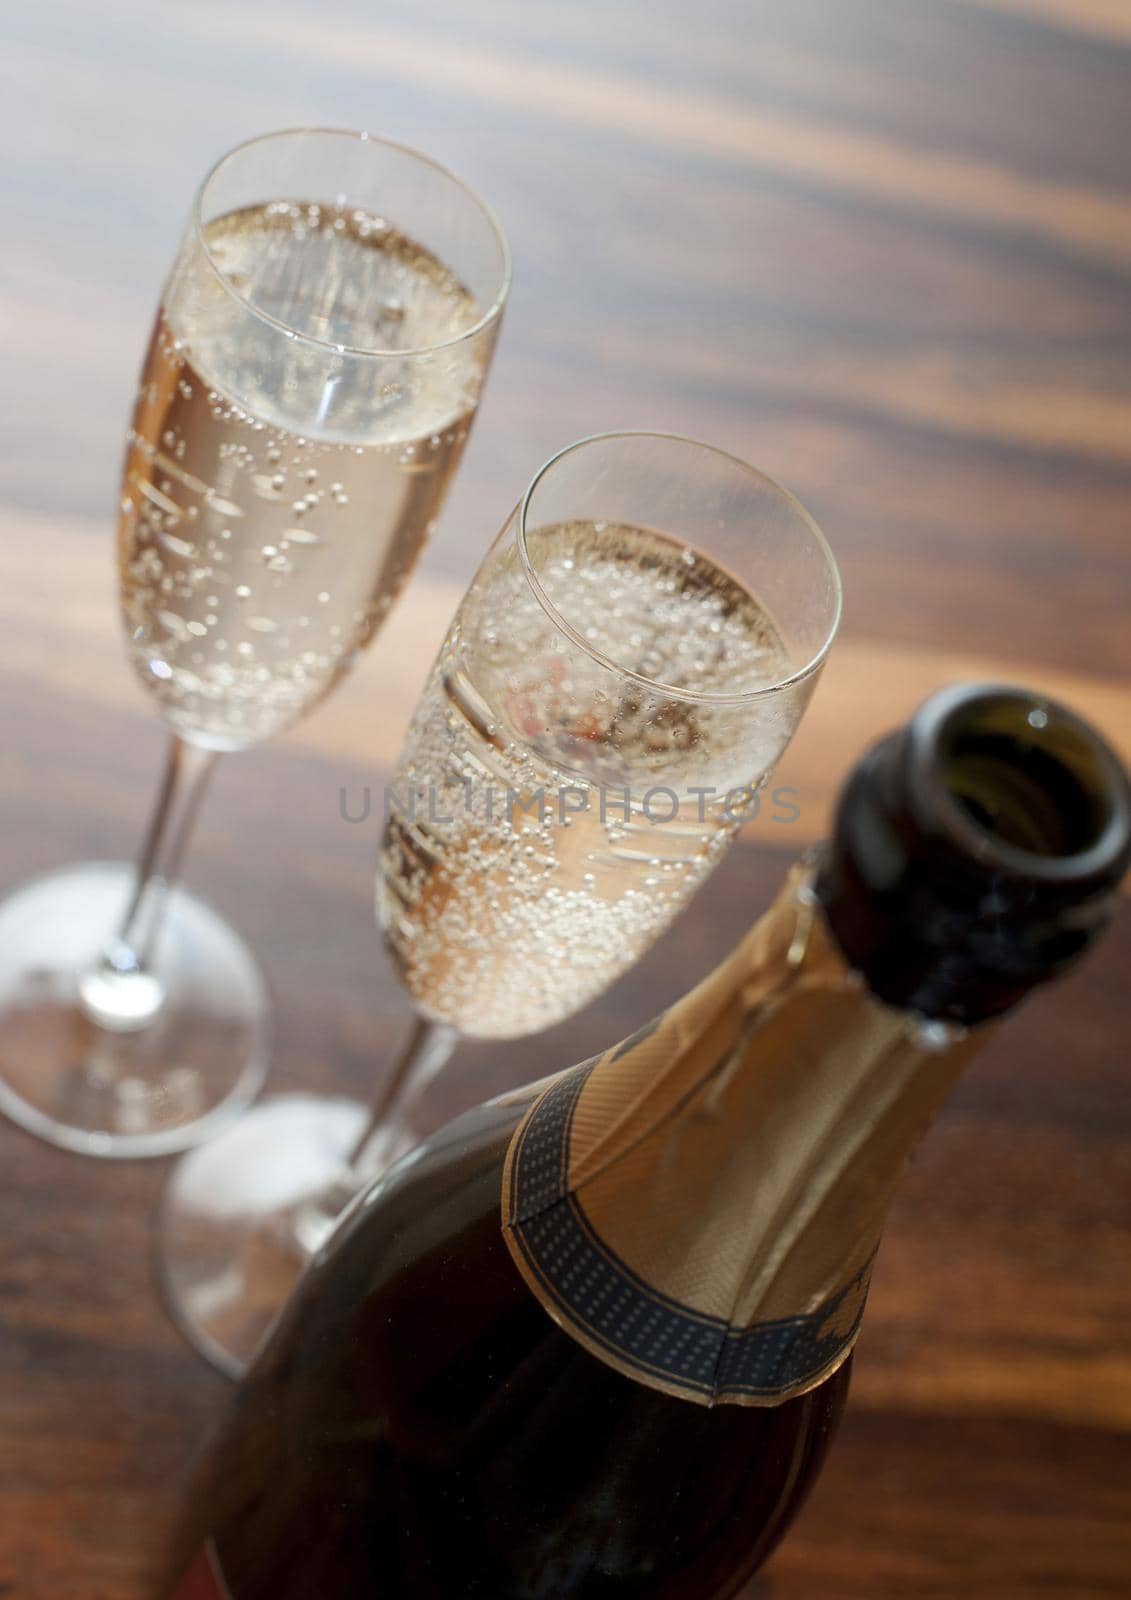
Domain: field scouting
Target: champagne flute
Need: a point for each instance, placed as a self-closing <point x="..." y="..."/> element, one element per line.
<point x="314" y="369"/>
<point x="618" y="683"/>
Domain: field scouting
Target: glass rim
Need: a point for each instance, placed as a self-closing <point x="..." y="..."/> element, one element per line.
<point x="361" y="136"/>
<point x="654" y="685"/>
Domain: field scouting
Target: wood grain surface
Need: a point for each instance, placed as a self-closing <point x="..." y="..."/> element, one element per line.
<point x="881" y="248"/>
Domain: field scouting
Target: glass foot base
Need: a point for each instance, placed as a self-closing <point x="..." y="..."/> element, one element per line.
<point x="243" y="1214"/>
<point x="163" y="1082"/>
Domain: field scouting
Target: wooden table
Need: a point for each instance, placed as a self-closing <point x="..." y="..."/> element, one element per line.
<point x="882" y="248"/>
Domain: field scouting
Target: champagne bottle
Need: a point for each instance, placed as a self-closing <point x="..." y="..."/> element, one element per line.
<point x="591" y="1342"/>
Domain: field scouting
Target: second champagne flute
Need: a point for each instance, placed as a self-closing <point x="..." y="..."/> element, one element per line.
<point x="620" y="679"/>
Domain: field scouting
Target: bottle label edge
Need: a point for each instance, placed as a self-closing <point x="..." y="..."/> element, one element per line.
<point x="204" y="1579"/>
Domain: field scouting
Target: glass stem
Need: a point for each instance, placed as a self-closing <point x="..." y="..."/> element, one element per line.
<point x="122" y="990"/>
<point x="388" y="1133"/>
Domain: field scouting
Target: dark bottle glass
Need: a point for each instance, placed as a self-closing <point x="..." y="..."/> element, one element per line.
<point x="591" y="1342"/>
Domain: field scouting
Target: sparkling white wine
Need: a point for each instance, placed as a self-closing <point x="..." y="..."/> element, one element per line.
<point x="278" y="491"/>
<point x="517" y="878"/>
<point x="591" y="1342"/>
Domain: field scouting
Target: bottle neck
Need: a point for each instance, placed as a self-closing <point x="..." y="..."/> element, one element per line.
<point x="723" y="1176"/>
<point x="976" y="853"/>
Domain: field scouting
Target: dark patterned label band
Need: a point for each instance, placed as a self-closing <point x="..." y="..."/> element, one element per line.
<point x="596" y="1296"/>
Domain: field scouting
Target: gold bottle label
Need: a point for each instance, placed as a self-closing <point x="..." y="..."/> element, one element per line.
<point x="699" y="1207"/>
